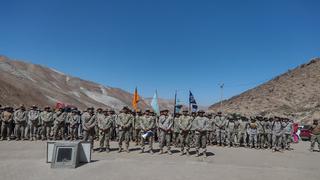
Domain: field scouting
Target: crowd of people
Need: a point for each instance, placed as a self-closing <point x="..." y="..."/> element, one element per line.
<point x="182" y="130"/>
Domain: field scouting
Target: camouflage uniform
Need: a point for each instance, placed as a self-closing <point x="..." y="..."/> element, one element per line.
<point x="220" y="129"/>
<point x="137" y="128"/>
<point x="20" y="117"/>
<point x="88" y="125"/>
<point x="185" y="124"/>
<point x="165" y="127"/>
<point x="147" y="124"/>
<point x="287" y="131"/>
<point x="59" y="118"/>
<point x="46" y="118"/>
<point x="243" y="125"/>
<point x="212" y="131"/>
<point x="176" y="131"/>
<point x="253" y="133"/>
<point x="315" y="135"/>
<point x="261" y="133"/>
<point x="33" y="120"/>
<point x="104" y="124"/>
<point x="268" y="133"/>
<point x="74" y="120"/>
<point x="200" y="124"/>
<point x="6" y="118"/>
<point x="277" y="130"/>
<point x="124" y="123"/>
<point x="232" y="127"/>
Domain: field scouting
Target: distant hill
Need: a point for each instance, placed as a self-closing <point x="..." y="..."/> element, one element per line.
<point x="25" y="83"/>
<point x="295" y="93"/>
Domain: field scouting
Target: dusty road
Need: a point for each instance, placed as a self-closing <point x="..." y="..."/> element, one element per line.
<point x="26" y="160"/>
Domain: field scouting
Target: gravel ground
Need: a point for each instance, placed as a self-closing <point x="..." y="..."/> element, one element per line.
<point x="26" y="160"/>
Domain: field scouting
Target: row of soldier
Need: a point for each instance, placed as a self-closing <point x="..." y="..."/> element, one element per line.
<point x="184" y="130"/>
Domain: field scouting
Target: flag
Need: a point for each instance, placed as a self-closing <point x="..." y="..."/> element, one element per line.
<point x="192" y="102"/>
<point x="177" y="106"/>
<point x="135" y="100"/>
<point x="154" y="103"/>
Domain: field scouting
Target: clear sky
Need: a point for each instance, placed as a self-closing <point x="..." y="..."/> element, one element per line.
<point x="164" y="44"/>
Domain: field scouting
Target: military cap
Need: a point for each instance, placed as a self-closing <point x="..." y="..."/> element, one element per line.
<point x="165" y="110"/>
<point x="201" y="111"/>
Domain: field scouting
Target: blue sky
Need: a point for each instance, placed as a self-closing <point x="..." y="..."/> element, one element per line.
<point x="164" y="45"/>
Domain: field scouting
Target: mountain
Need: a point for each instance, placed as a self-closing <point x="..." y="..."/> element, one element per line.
<point x="28" y="84"/>
<point x="295" y="93"/>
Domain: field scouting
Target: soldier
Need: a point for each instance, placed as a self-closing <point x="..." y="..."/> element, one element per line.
<point x="253" y="133"/>
<point x="243" y="128"/>
<point x="33" y="116"/>
<point x="165" y="128"/>
<point x="176" y="130"/>
<point x="88" y="124"/>
<point x="6" y="118"/>
<point x="211" y="130"/>
<point x="1" y="110"/>
<point x="104" y="124"/>
<point x="220" y="122"/>
<point x="147" y="125"/>
<point x="287" y="131"/>
<point x="268" y="132"/>
<point x="232" y="126"/>
<point x="185" y="124"/>
<point x="20" y="117"/>
<point x="137" y="126"/>
<point x="261" y="132"/>
<point x="46" y="118"/>
<point x="99" y="114"/>
<point x="200" y="124"/>
<point x="315" y="134"/>
<point x="124" y="120"/>
<point x="277" y="130"/>
<point x="114" y="133"/>
<point x="74" y="120"/>
<point x="59" y="118"/>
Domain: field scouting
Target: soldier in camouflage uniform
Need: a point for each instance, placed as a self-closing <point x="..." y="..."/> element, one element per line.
<point x="104" y="125"/>
<point x="33" y="120"/>
<point x="147" y="125"/>
<point x="88" y="124"/>
<point x="74" y="120"/>
<point x="277" y="130"/>
<point x="220" y="122"/>
<point x="261" y="132"/>
<point x="20" y="117"/>
<point x="253" y="133"/>
<point x="137" y="126"/>
<point x="99" y="114"/>
<point x="268" y="132"/>
<point x="124" y="122"/>
<point x="46" y="118"/>
<point x="165" y="128"/>
<point x="243" y="125"/>
<point x="6" y="118"/>
<point x="231" y="129"/>
<point x="287" y="131"/>
<point x="185" y="124"/>
<point x="200" y="124"/>
<point x="59" y="118"/>
<point x="176" y="130"/>
<point x="211" y="130"/>
<point x="315" y="135"/>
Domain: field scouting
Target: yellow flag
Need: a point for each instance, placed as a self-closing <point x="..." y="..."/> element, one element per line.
<point x="135" y="100"/>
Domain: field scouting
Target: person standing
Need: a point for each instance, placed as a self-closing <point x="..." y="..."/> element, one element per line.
<point x="147" y="125"/>
<point x="165" y="130"/>
<point x="46" y="118"/>
<point x="124" y="120"/>
<point x="20" y="117"/>
<point x="104" y="124"/>
<point x="88" y="124"/>
<point x="220" y="129"/>
<point x="200" y="124"/>
<point x="185" y="124"/>
<point x="60" y="118"/>
<point x="315" y="135"/>
<point x="6" y="118"/>
<point x="33" y="120"/>
<point x="277" y="130"/>
<point x="287" y="132"/>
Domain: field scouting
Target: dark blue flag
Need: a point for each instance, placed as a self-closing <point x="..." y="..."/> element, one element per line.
<point x="192" y="102"/>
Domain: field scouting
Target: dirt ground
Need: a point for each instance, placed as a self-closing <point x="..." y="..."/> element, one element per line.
<point x="26" y="160"/>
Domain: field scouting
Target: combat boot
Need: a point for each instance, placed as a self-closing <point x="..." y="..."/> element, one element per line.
<point x="169" y="152"/>
<point x="161" y="151"/>
<point x="197" y="153"/>
<point x="107" y="150"/>
<point x="151" y="152"/>
<point x="188" y="153"/>
<point x="205" y="154"/>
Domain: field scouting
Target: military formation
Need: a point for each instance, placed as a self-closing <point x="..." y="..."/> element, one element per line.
<point x="183" y="130"/>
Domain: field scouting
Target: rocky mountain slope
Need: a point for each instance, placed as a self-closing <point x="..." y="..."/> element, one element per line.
<point x="25" y="83"/>
<point x="295" y="93"/>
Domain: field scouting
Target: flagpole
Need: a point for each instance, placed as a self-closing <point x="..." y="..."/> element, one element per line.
<point x="189" y="102"/>
<point x="175" y="104"/>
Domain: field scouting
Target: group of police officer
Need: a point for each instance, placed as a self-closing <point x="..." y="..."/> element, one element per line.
<point x="185" y="130"/>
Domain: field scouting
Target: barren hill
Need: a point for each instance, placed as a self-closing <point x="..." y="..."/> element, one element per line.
<point x="25" y="83"/>
<point x="295" y="93"/>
